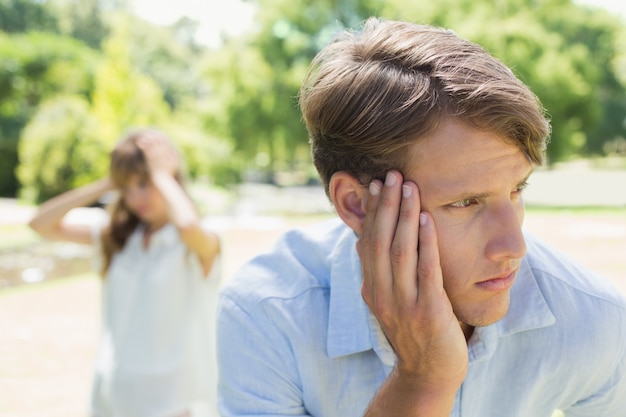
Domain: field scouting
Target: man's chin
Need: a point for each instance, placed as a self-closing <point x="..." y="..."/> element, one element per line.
<point x="485" y="314"/>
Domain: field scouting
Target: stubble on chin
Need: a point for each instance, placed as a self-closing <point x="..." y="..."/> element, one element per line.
<point x="486" y="314"/>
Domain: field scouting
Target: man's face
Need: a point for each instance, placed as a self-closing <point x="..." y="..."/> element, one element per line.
<point x="471" y="182"/>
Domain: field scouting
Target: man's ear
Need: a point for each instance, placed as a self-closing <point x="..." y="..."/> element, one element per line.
<point x="348" y="197"/>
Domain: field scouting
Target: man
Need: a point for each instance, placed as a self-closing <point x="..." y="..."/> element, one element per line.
<point x="425" y="297"/>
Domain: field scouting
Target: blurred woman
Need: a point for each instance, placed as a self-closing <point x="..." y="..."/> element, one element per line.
<point x="160" y="280"/>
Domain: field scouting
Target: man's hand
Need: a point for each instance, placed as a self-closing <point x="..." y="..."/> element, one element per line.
<point x="403" y="287"/>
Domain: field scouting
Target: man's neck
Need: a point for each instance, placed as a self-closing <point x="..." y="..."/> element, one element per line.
<point x="468" y="330"/>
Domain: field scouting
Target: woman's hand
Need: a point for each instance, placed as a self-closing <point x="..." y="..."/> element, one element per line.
<point x="160" y="156"/>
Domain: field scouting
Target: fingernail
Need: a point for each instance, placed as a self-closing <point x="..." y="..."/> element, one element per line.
<point x="390" y="179"/>
<point x="423" y="219"/>
<point x="406" y="191"/>
<point x="374" y="189"/>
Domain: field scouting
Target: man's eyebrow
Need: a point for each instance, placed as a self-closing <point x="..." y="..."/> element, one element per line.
<point x="462" y="195"/>
<point x="525" y="180"/>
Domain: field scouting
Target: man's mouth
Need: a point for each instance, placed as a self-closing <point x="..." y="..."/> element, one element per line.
<point x="499" y="283"/>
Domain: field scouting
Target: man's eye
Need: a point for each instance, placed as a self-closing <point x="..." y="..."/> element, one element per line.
<point x="521" y="187"/>
<point x="466" y="202"/>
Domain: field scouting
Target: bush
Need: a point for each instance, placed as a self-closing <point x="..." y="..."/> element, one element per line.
<point x="59" y="149"/>
<point x="206" y="156"/>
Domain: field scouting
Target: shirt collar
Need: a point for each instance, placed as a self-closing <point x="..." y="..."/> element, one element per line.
<point x="348" y="316"/>
<point x="162" y="237"/>
<point x="352" y="328"/>
<point x="529" y="309"/>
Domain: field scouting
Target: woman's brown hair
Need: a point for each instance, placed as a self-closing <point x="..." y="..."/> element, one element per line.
<point x="127" y="160"/>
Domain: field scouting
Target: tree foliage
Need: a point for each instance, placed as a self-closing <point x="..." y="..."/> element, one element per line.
<point x="234" y="107"/>
<point x="59" y="149"/>
<point x="256" y="79"/>
<point x="17" y="16"/>
<point x="568" y="54"/>
<point x="123" y="96"/>
<point x="75" y="119"/>
<point x="81" y="19"/>
<point x="33" y="67"/>
<point x="170" y="56"/>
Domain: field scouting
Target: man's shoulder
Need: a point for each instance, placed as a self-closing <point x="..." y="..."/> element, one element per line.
<point x="587" y="323"/>
<point x="299" y="261"/>
<point x="559" y="276"/>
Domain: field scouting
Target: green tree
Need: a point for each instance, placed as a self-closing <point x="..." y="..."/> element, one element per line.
<point x="56" y="159"/>
<point x="207" y="157"/>
<point x="170" y="56"/>
<point x="134" y="75"/>
<point x="33" y="67"/>
<point x="18" y="16"/>
<point x="599" y="34"/>
<point x="124" y="97"/>
<point x="567" y="54"/>
<point x="256" y="79"/>
<point x="84" y="20"/>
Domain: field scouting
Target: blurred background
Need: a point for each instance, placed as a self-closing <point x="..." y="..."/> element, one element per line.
<point x="221" y="78"/>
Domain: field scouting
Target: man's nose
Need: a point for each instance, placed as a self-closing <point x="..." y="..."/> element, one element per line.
<point x="505" y="237"/>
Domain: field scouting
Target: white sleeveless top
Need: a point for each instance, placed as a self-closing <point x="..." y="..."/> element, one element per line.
<point x="157" y="353"/>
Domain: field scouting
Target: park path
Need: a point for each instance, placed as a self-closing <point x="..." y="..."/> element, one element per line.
<point x="50" y="330"/>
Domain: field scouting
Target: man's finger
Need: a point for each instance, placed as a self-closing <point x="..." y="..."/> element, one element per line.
<point x="404" y="253"/>
<point x="378" y="232"/>
<point x="430" y="279"/>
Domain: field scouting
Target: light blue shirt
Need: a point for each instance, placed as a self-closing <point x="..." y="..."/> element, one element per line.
<point x="295" y="338"/>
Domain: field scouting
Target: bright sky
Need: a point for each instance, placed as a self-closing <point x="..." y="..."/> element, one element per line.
<point x="614" y="6"/>
<point x="235" y="16"/>
<point x="215" y="16"/>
